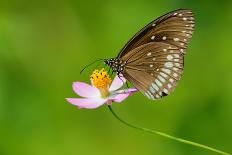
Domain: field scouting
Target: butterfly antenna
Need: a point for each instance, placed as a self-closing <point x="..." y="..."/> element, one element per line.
<point x="91" y="64"/>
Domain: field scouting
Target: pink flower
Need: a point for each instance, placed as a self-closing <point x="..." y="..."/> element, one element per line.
<point x="100" y="92"/>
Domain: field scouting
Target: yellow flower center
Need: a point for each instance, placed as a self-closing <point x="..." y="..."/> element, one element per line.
<point x="101" y="80"/>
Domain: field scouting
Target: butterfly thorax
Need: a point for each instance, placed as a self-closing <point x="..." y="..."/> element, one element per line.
<point x="116" y="64"/>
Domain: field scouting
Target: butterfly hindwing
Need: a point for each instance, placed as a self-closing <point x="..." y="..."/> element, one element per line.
<point x="154" y="68"/>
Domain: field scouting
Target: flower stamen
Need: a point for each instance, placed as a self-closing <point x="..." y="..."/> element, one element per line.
<point x="101" y="80"/>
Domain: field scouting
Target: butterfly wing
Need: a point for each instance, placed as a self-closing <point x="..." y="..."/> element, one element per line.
<point x="174" y="28"/>
<point x="154" y="68"/>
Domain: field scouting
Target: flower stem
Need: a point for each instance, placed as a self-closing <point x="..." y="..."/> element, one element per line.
<point x="167" y="136"/>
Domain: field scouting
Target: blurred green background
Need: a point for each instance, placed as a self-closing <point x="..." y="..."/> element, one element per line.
<point x="43" y="46"/>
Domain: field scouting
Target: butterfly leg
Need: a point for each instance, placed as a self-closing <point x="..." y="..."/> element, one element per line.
<point x="111" y="74"/>
<point x="125" y="84"/>
<point x="109" y="70"/>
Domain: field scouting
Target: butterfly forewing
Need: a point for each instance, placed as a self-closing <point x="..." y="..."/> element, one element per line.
<point x="174" y="28"/>
<point x="154" y="68"/>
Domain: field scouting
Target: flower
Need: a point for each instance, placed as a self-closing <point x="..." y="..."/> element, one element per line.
<point x="100" y="92"/>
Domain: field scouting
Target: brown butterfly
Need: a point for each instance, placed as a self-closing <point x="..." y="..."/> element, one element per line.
<point x="153" y="59"/>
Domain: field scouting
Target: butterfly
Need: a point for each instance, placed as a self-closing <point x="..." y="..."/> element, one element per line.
<point x="153" y="59"/>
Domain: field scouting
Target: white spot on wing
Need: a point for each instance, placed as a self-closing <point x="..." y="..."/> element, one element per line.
<point x="146" y="94"/>
<point x="150" y="94"/>
<point x="176" y="39"/>
<point x="158" y="83"/>
<point x="152" y="89"/>
<point x="171" y="80"/>
<point x="153" y="37"/>
<point x="177" y="64"/>
<point x="157" y="96"/>
<point x="175" y="75"/>
<point x="175" y="69"/>
<point x="165" y="91"/>
<point x="164" y="75"/>
<point x="161" y="79"/>
<point x="149" y="54"/>
<point x="164" y="38"/>
<point x="176" y="56"/>
<point x="168" y="64"/>
<point x="155" y="86"/>
<point x="169" y="57"/>
<point x="168" y="71"/>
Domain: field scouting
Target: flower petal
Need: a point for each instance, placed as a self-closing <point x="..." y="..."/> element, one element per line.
<point x="123" y="94"/>
<point x="85" y="90"/>
<point x="88" y="103"/>
<point x="117" y="83"/>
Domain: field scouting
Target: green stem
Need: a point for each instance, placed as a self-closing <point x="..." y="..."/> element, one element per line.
<point x="167" y="136"/>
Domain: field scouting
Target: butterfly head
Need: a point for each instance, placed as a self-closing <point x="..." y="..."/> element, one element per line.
<point x="108" y="62"/>
<point x="115" y="64"/>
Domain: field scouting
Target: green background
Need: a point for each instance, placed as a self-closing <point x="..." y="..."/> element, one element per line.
<point x="44" y="45"/>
